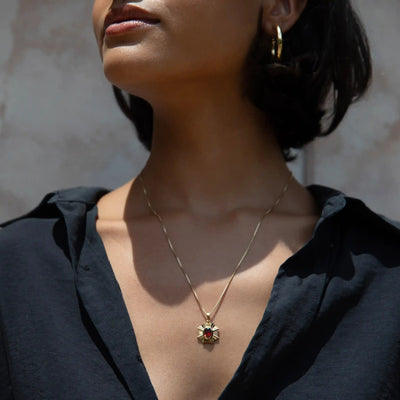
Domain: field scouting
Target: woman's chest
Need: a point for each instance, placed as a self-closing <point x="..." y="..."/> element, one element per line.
<point x="159" y="291"/>
<point x="165" y="317"/>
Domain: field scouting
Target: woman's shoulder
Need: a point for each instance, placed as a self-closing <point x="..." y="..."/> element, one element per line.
<point x="41" y="228"/>
<point x="361" y="229"/>
<point x="50" y="202"/>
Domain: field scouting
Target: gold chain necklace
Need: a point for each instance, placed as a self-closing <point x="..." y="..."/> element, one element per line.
<point x="208" y="332"/>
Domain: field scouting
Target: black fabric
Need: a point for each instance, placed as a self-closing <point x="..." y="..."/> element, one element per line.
<point x="331" y="329"/>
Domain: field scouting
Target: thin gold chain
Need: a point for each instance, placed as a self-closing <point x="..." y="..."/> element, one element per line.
<point x="207" y="315"/>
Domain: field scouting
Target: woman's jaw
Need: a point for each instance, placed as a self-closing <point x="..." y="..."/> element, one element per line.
<point x="186" y="41"/>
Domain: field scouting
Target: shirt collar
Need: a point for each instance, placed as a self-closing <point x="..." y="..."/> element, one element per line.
<point x="329" y="200"/>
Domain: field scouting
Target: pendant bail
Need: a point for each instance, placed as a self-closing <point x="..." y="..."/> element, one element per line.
<point x="208" y="317"/>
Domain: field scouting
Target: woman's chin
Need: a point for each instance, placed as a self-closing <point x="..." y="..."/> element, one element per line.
<point x="127" y="76"/>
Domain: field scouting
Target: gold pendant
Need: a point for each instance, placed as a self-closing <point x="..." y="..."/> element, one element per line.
<point x="208" y="332"/>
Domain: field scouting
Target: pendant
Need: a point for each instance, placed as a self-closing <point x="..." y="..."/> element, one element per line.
<point x="208" y="332"/>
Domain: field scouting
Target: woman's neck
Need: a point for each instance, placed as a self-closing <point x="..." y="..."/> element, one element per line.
<point x="212" y="155"/>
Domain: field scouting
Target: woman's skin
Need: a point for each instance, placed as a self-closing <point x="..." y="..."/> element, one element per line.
<point x="214" y="168"/>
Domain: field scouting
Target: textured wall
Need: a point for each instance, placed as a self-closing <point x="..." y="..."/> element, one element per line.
<point x="60" y="126"/>
<point x="363" y="157"/>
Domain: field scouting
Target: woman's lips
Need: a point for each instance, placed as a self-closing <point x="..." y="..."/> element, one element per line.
<point x="126" y="26"/>
<point x="127" y="18"/>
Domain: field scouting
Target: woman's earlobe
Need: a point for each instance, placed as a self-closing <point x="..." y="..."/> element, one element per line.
<point x="284" y="13"/>
<point x="281" y="8"/>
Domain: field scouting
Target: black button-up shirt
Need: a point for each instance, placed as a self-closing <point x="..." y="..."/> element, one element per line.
<point x="331" y="329"/>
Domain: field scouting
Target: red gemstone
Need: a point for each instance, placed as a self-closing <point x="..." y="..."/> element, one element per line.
<point x="207" y="333"/>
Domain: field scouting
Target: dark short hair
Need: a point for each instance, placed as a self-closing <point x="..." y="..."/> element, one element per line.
<point x="325" y="67"/>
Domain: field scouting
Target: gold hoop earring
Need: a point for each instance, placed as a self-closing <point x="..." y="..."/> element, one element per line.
<point x="277" y="44"/>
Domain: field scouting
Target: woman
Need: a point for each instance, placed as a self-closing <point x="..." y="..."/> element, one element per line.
<point x="213" y="274"/>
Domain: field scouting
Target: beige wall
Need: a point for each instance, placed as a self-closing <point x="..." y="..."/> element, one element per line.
<point x="60" y="126"/>
<point x="363" y="157"/>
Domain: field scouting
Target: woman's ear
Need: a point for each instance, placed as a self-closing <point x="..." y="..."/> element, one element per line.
<point x="284" y="13"/>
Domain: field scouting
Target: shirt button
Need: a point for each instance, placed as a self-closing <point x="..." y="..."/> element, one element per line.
<point x="86" y="267"/>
